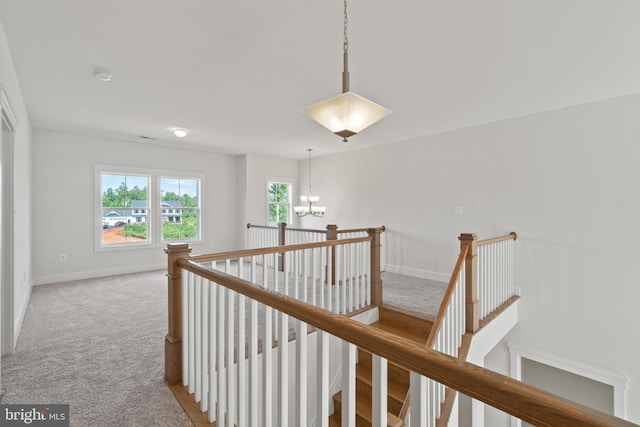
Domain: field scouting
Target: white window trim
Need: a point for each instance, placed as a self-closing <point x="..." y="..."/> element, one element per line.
<point x="279" y="180"/>
<point x="154" y="224"/>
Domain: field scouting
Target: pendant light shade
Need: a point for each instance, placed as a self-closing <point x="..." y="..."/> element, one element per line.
<point x="346" y="114"/>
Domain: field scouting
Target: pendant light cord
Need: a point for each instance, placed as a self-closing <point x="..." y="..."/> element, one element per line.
<point x="309" y="150"/>
<point x="345" y="54"/>
<point x="346" y="37"/>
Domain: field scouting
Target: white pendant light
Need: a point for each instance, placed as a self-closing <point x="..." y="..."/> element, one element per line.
<point x="349" y="113"/>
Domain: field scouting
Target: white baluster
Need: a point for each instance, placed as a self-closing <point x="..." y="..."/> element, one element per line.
<point x="323" y="378"/>
<point x="283" y="377"/>
<point x="314" y="266"/>
<point x="192" y="336"/>
<point x="230" y="347"/>
<point x="198" y="338"/>
<point x="186" y="277"/>
<point x="242" y="364"/>
<point x="328" y="279"/>
<point x="220" y="362"/>
<point x="254" y="380"/>
<point x="267" y="368"/>
<point x="204" y="300"/>
<point x="348" y="384"/>
<point x="379" y="391"/>
<point x="213" y="368"/>
<point x="301" y="374"/>
<point x="418" y="396"/>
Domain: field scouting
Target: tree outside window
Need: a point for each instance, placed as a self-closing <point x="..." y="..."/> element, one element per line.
<point x="279" y="202"/>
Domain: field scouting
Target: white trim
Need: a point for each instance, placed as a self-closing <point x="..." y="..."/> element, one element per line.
<point x="619" y="383"/>
<point x="8" y="333"/>
<point x="6" y="107"/>
<point x="414" y="272"/>
<point x="21" y="315"/>
<point x="92" y="274"/>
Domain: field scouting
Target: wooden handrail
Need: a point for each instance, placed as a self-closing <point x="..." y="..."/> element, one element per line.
<point x="514" y="397"/>
<point x="511" y="236"/>
<point x="249" y="225"/>
<point x="311" y="230"/>
<point x="276" y="249"/>
<point x="361" y="230"/>
<point x="308" y="230"/>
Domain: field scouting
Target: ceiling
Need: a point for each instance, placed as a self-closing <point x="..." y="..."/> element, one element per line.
<point x="237" y="73"/>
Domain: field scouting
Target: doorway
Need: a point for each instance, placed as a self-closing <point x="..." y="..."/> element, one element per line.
<point x="583" y="384"/>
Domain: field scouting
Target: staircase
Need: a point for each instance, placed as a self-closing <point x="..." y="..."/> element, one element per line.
<point x="402" y="324"/>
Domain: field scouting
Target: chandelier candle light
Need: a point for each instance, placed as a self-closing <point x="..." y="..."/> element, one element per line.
<point x="349" y="113"/>
<point x="309" y="206"/>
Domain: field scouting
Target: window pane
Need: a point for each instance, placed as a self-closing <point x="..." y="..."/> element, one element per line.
<point x="273" y="213"/>
<point x="122" y="197"/>
<point x="180" y="208"/>
<point x="278" y="196"/>
<point x="283" y="212"/>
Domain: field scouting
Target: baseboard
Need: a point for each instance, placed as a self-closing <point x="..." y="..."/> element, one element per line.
<point x="414" y="272"/>
<point x="22" y="312"/>
<point x="92" y="274"/>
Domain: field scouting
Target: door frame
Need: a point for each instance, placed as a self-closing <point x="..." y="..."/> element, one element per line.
<point x="619" y="384"/>
<point x="7" y="276"/>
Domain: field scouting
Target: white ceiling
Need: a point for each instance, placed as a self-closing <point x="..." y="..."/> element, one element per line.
<point x="237" y="73"/>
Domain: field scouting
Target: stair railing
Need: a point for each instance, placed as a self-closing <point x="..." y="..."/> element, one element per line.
<point x="483" y="280"/>
<point x="250" y="388"/>
<point x="262" y="236"/>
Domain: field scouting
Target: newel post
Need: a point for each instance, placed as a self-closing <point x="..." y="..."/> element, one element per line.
<point x="376" y="280"/>
<point x="282" y="227"/>
<point x="472" y="318"/>
<point x="173" y="340"/>
<point x="332" y="234"/>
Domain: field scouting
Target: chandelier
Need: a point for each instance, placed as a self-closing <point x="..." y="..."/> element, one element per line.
<point x="349" y="113"/>
<point x="309" y="206"/>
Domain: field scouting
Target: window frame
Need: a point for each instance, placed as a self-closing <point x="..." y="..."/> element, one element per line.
<point x="279" y="180"/>
<point x="153" y="210"/>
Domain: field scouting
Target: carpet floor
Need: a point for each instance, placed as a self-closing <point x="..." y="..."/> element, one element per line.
<point x="98" y="345"/>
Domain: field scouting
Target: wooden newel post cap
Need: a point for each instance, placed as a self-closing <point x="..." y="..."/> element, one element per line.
<point x="332" y="232"/>
<point x="173" y="248"/>
<point x="468" y="237"/>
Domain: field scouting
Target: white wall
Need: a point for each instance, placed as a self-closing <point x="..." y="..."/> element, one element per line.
<point x="22" y="185"/>
<point x="257" y="171"/>
<point x="566" y="181"/>
<point x="64" y="211"/>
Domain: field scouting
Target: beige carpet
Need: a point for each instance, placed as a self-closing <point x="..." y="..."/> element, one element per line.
<point x="98" y="345"/>
<point x="420" y="296"/>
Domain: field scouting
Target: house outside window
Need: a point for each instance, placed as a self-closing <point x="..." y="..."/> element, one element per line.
<point x="278" y="201"/>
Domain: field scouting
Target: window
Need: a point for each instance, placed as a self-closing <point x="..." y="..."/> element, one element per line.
<point x="119" y="194"/>
<point x="278" y="202"/>
<point x="180" y="196"/>
<point x="145" y="207"/>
